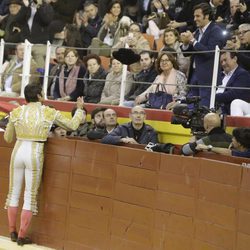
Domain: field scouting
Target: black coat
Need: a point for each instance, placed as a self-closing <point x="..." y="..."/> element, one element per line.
<point x="126" y="130"/>
<point x="93" y="87"/>
<point x="138" y="88"/>
<point x="39" y="29"/>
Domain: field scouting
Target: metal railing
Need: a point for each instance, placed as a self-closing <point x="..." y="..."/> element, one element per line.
<point x="27" y="61"/>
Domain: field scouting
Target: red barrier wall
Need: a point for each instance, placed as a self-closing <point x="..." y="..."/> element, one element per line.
<point x="96" y="196"/>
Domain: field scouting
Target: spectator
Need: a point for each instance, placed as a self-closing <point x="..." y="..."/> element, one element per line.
<point x="112" y="88"/>
<point x="55" y="71"/>
<point x="110" y="123"/>
<point x="234" y="76"/>
<point x="147" y="75"/>
<point x="12" y="76"/>
<point x="242" y="43"/>
<point x="57" y="131"/>
<point x="113" y="28"/>
<point x="98" y="124"/>
<point x="216" y="136"/>
<point x="184" y="19"/>
<point x="88" y="23"/>
<point x="239" y="107"/>
<point x="238" y="14"/>
<point x="169" y="79"/>
<point x="134" y="132"/>
<point x="171" y="39"/>
<point x="240" y="146"/>
<point x="159" y="18"/>
<point x="136" y="41"/>
<point x="83" y="128"/>
<point x="206" y="37"/>
<point x="13" y="24"/>
<point x="36" y="29"/>
<point x="69" y="85"/>
<point x="220" y="9"/>
<point x="94" y="79"/>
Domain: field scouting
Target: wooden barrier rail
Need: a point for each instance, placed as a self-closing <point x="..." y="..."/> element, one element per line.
<point x="105" y="197"/>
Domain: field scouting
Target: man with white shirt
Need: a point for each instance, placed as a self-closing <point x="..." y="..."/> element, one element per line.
<point x="205" y="39"/>
<point x="12" y="76"/>
<point x="234" y="77"/>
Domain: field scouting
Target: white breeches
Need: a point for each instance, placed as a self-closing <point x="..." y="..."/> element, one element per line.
<point x="240" y="108"/>
<point x="26" y="164"/>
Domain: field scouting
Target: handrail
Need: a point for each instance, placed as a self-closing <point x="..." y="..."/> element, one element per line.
<point x="46" y="73"/>
<point x="215" y="76"/>
<point x="26" y="65"/>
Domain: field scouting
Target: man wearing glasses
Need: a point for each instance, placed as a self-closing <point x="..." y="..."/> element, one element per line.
<point x="242" y="43"/>
<point x="244" y="36"/>
<point x="134" y="132"/>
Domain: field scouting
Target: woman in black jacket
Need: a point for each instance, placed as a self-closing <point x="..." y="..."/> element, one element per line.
<point x="94" y="79"/>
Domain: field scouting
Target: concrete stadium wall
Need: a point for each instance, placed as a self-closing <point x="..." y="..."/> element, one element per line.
<point x="96" y="196"/>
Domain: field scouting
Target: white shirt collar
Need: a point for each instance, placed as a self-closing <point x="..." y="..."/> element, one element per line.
<point x="205" y="28"/>
<point x="230" y="72"/>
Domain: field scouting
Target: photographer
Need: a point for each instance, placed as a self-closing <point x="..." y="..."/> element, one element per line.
<point x="216" y="136"/>
<point x="239" y="147"/>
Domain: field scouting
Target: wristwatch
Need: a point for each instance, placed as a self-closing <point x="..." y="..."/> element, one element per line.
<point x="209" y="148"/>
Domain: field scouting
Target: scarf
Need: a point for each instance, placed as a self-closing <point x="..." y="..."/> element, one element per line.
<point x="68" y="85"/>
<point x="167" y="80"/>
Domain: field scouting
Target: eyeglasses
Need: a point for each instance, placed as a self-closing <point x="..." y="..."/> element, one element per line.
<point x="164" y="60"/>
<point x="138" y="113"/>
<point x="241" y="33"/>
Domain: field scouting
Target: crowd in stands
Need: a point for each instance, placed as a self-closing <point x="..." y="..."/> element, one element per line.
<point x="187" y="30"/>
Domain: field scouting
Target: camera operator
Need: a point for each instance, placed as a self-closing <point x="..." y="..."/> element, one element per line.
<point x="239" y="147"/>
<point x="216" y="136"/>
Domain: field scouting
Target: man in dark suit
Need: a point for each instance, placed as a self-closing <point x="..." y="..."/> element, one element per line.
<point x="205" y="39"/>
<point x="234" y="76"/>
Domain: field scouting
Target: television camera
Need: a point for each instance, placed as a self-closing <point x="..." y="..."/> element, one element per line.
<point x="191" y="118"/>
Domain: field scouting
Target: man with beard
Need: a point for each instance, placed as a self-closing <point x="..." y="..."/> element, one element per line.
<point x="147" y="75"/>
<point x="205" y="39"/>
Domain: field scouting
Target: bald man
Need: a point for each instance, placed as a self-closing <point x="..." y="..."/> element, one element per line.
<point x="110" y="122"/>
<point x="134" y="132"/>
<point x="216" y="136"/>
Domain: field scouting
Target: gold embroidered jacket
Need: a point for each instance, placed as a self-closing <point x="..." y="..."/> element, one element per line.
<point x="34" y="120"/>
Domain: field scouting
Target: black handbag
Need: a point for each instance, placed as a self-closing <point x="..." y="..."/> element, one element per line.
<point x="159" y="99"/>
